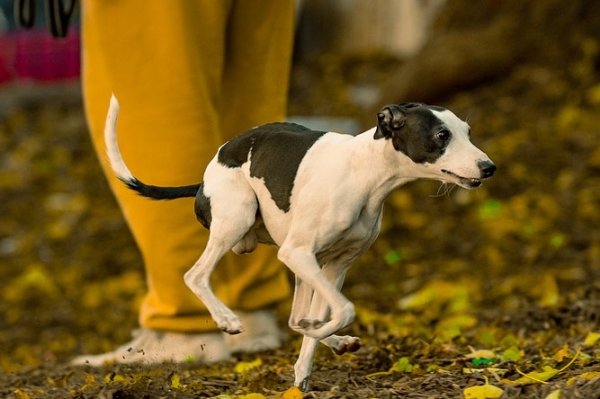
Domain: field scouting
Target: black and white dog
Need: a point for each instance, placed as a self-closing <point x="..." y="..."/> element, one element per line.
<point x="319" y="197"/>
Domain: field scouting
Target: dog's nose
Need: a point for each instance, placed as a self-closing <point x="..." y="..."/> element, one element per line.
<point x="487" y="168"/>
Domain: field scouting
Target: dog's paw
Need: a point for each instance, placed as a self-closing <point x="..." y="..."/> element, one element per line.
<point x="310" y="324"/>
<point x="308" y="327"/>
<point x="303" y="385"/>
<point x="230" y="324"/>
<point x="342" y="344"/>
<point x="321" y="329"/>
<point x="231" y="329"/>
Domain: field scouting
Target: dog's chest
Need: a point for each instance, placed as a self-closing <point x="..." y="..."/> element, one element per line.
<point x="351" y="242"/>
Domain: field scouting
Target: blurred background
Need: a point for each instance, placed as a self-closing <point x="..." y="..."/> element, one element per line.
<point x="522" y="252"/>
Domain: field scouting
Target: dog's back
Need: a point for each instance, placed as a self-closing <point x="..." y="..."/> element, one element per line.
<point x="274" y="152"/>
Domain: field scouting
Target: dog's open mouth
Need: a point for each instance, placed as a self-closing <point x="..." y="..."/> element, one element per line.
<point x="467" y="182"/>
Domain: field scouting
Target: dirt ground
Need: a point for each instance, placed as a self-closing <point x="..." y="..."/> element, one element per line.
<point x="462" y="289"/>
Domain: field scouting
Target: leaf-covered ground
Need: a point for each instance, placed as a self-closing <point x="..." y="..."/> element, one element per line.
<point x="496" y="288"/>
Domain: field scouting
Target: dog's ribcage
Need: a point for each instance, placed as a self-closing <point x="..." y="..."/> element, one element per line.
<point x="330" y="209"/>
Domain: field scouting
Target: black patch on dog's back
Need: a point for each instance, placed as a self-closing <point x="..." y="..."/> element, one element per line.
<point x="276" y="152"/>
<point x="235" y="152"/>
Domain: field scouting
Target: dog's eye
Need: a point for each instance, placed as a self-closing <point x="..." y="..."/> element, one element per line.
<point x="443" y="135"/>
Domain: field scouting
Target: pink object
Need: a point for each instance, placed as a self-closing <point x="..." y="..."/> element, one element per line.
<point x="34" y="55"/>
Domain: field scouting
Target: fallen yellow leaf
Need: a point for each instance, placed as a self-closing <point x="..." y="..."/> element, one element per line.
<point x="554" y="394"/>
<point x="114" y="377"/>
<point x="590" y="375"/>
<point x="549" y="295"/>
<point x="253" y="396"/>
<point x="481" y="354"/>
<point x="90" y="382"/>
<point x="292" y="393"/>
<point x="560" y="354"/>
<point x="486" y="391"/>
<point x="244" y="367"/>
<point x="439" y="292"/>
<point x="21" y="394"/>
<point x="452" y="326"/>
<point x="493" y="370"/>
<point x="176" y="381"/>
<point x="591" y="339"/>
<point x="534" y="377"/>
<point x="541" y="376"/>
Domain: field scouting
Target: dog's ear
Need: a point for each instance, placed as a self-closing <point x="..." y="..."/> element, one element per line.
<point x="390" y="119"/>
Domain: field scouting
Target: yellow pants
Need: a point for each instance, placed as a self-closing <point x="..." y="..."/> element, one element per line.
<point x="189" y="74"/>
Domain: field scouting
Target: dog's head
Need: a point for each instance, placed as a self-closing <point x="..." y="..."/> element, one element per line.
<point x="436" y="141"/>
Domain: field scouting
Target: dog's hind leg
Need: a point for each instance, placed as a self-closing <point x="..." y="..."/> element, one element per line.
<point x="198" y="280"/>
<point x="232" y="217"/>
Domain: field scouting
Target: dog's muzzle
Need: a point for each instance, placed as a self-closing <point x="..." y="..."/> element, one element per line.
<point x="486" y="168"/>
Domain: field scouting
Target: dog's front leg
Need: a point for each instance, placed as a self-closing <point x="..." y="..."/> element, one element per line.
<point x="304" y="264"/>
<point x="303" y="367"/>
<point x="300" y="304"/>
<point x="302" y="309"/>
<point x="334" y="273"/>
<point x="304" y="363"/>
<point x="302" y="301"/>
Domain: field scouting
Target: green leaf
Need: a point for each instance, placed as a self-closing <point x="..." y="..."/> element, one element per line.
<point x="512" y="354"/>
<point x="482" y="362"/>
<point x="392" y="257"/>
<point x="402" y="365"/>
<point x="176" y="381"/>
<point x="490" y="209"/>
<point x="557" y="240"/>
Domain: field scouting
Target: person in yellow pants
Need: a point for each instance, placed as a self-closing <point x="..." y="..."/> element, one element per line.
<point x="189" y="75"/>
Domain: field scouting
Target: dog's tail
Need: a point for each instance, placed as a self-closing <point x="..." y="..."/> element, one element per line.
<point x="122" y="171"/>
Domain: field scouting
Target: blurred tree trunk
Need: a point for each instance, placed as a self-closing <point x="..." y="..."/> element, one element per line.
<point x="468" y="43"/>
<point x="473" y="42"/>
<point x="363" y="28"/>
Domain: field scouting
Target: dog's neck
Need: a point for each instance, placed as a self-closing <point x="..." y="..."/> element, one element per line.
<point x="382" y="167"/>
